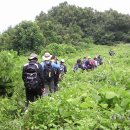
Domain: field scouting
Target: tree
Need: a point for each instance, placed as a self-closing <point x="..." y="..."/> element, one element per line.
<point x="27" y="37"/>
<point x="6" y="39"/>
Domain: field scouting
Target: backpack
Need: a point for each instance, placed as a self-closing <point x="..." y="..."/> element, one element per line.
<point x="91" y="62"/>
<point x="32" y="76"/>
<point x="62" y="68"/>
<point x="84" y="64"/>
<point x="48" y="71"/>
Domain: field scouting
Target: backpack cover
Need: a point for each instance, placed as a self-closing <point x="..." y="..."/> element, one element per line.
<point x="48" y="71"/>
<point x="32" y="76"/>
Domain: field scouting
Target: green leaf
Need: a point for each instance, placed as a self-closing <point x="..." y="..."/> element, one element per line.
<point x="110" y="95"/>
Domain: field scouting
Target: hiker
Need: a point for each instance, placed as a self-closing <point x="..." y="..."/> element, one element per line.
<point x="100" y="60"/>
<point x="111" y="53"/>
<point x="83" y="63"/>
<point x="89" y="63"/>
<point x="77" y="65"/>
<point x="48" y="73"/>
<point x="57" y="75"/>
<point x="33" y="79"/>
<point x="95" y="62"/>
<point x="63" y="68"/>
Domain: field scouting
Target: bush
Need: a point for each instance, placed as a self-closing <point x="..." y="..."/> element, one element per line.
<point x="59" y="49"/>
<point x="7" y="71"/>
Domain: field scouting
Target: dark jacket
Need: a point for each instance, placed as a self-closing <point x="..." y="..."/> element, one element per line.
<point x="40" y="73"/>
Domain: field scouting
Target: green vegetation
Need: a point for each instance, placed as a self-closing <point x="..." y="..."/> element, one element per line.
<point x="67" y="24"/>
<point x="98" y="99"/>
<point x="94" y="100"/>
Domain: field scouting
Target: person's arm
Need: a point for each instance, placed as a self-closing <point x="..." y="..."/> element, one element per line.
<point x="42" y="65"/>
<point x="24" y="73"/>
<point x="54" y="65"/>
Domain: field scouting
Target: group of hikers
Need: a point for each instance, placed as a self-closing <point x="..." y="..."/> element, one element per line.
<point x="88" y="63"/>
<point x="41" y="79"/>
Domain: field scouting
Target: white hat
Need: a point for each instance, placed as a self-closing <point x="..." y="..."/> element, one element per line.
<point x="62" y="60"/>
<point x="46" y="56"/>
<point x="32" y="56"/>
<point x="89" y="57"/>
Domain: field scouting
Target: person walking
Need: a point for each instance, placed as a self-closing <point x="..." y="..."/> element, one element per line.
<point x="48" y="72"/>
<point x="33" y="79"/>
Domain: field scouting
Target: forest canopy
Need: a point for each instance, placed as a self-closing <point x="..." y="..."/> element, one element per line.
<point x="67" y="24"/>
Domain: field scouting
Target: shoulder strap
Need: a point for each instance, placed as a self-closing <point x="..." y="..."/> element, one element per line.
<point x="45" y="63"/>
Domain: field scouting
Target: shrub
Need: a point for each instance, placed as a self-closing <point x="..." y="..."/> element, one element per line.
<point x="59" y="49"/>
<point x="7" y="71"/>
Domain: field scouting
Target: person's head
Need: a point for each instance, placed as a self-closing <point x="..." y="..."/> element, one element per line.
<point x="53" y="58"/>
<point x="78" y="61"/>
<point x="95" y="58"/>
<point x="99" y="56"/>
<point x="89" y="57"/>
<point x="33" y="57"/>
<point x="46" y="56"/>
<point x="56" y="58"/>
<point x="62" y="61"/>
<point x="84" y="58"/>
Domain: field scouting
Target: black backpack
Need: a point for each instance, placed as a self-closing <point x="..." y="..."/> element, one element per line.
<point x="48" y="71"/>
<point x="32" y="76"/>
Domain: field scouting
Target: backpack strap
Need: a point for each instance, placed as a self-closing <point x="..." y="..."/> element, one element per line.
<point x="45" y="63"/>
<point x="36" y="65"/>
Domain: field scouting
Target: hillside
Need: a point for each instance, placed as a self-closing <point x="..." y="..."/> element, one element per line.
<point x="98" y="99"/>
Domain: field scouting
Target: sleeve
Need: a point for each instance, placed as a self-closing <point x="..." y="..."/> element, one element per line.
<point x="23" y="73"/>
<point x="54" y="65"/>
<point x="42" y="65"/>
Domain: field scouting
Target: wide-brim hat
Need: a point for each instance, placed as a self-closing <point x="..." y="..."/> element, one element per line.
<point x="32" y="56"/>
<point x="62" y="60"/>
<point x="46" y="56"/>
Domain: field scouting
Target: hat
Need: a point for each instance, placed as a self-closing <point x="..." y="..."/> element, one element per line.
<point x="62" y="60"/>
<point x="46" y="56"/>
<point x="89" y="57"/>
<point x="32" y="56"/>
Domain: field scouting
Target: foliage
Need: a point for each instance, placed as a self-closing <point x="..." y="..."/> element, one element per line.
<point x="27" y="37"/>
<point x="65" y="24"/>
<point x="7" y="68"/>
<point x="98" y="99"/>
<point x="6" y="39"/>
<point x="59" y="49"/>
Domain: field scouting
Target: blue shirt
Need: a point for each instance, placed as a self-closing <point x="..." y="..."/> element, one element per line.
<point x="53" y="64"/>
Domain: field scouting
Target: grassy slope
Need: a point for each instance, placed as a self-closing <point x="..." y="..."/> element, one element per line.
<point x="98" y="99"/>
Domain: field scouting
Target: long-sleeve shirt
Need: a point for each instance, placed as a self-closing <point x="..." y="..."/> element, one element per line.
<point x="53" y="64"/>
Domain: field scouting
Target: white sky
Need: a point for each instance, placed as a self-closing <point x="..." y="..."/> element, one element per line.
<point x="13" y="12"/>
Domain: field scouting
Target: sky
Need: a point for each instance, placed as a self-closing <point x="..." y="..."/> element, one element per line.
<point x="13" y="12"/>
